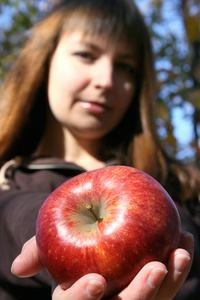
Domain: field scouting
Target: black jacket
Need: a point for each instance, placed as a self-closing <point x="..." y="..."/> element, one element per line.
<point x="22" y="191"/>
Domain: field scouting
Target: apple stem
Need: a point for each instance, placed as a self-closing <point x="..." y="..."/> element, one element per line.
<point x="89" y="206"/>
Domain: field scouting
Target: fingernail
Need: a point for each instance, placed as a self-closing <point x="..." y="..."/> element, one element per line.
<point x="12" y="269"/>
<point x="13" y="264"/>
<point x="156" y="277"/>
<point x="181" y="263"/>
<point x="94" y="288"/>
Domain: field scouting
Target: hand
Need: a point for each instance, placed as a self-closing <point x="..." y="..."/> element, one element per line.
<point x="155" y="281"/>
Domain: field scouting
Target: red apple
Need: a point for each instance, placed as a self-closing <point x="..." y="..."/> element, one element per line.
<point x="110" y="221"/>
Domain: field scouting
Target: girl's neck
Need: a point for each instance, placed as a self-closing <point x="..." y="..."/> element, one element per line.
<point x="59" y="142"/>
<point x="85" y="153"/>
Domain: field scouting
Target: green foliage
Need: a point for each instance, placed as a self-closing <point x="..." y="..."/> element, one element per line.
<point x="17" y="18"/>
<point x="175" y="31"/>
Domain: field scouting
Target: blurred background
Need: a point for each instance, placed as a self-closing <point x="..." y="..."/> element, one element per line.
<point x="174" y="26"/>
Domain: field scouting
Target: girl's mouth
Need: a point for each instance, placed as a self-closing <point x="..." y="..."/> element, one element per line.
<point x="94" y="107"/>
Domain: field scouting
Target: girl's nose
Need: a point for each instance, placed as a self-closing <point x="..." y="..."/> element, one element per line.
<point x="103" y="74"/>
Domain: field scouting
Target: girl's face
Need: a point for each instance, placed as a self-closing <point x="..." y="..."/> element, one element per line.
<point x="91" y="84"/>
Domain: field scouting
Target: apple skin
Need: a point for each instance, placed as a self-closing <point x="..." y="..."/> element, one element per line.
<point x="138" y="223"/>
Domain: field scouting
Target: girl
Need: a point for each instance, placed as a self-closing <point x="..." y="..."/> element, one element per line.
<point x="84" y="83"/>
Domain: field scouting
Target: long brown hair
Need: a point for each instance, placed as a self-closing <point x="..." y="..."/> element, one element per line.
<point x="23" y="97"/>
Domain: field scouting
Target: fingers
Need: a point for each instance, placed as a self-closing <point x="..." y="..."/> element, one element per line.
<point x="27" y="263"/>
<point x="91" y="286"/>
<point x="155" y="281"/>
<point x="187" y="242"/>
<point x="178" y="266"/>
<point x="146" y="283"/>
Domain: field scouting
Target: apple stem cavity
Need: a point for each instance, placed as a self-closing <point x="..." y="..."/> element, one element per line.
<point x="89" y="206"/>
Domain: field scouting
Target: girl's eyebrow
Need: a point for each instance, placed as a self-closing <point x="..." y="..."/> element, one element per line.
<point x="124" y="56"/>
<point x="89" y="44"/>
<point x="128" y="58"/>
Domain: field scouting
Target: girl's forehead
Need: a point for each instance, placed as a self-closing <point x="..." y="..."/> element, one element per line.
<point x="79" y="35"/>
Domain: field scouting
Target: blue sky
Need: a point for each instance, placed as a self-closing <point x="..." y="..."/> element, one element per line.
<point x="6" y="16"/>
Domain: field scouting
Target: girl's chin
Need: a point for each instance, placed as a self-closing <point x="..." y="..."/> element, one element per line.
<point x="88" y="133"/>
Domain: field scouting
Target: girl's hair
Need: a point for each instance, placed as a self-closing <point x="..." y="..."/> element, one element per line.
<point x="23" y="98"/>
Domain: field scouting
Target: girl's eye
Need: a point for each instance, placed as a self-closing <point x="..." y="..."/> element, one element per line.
<point x="85" y="55"/>
<point x="126" y="67"/>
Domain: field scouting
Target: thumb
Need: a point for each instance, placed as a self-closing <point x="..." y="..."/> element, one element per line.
<point x="27" y="263"/>
<point x="90" y="286"/>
